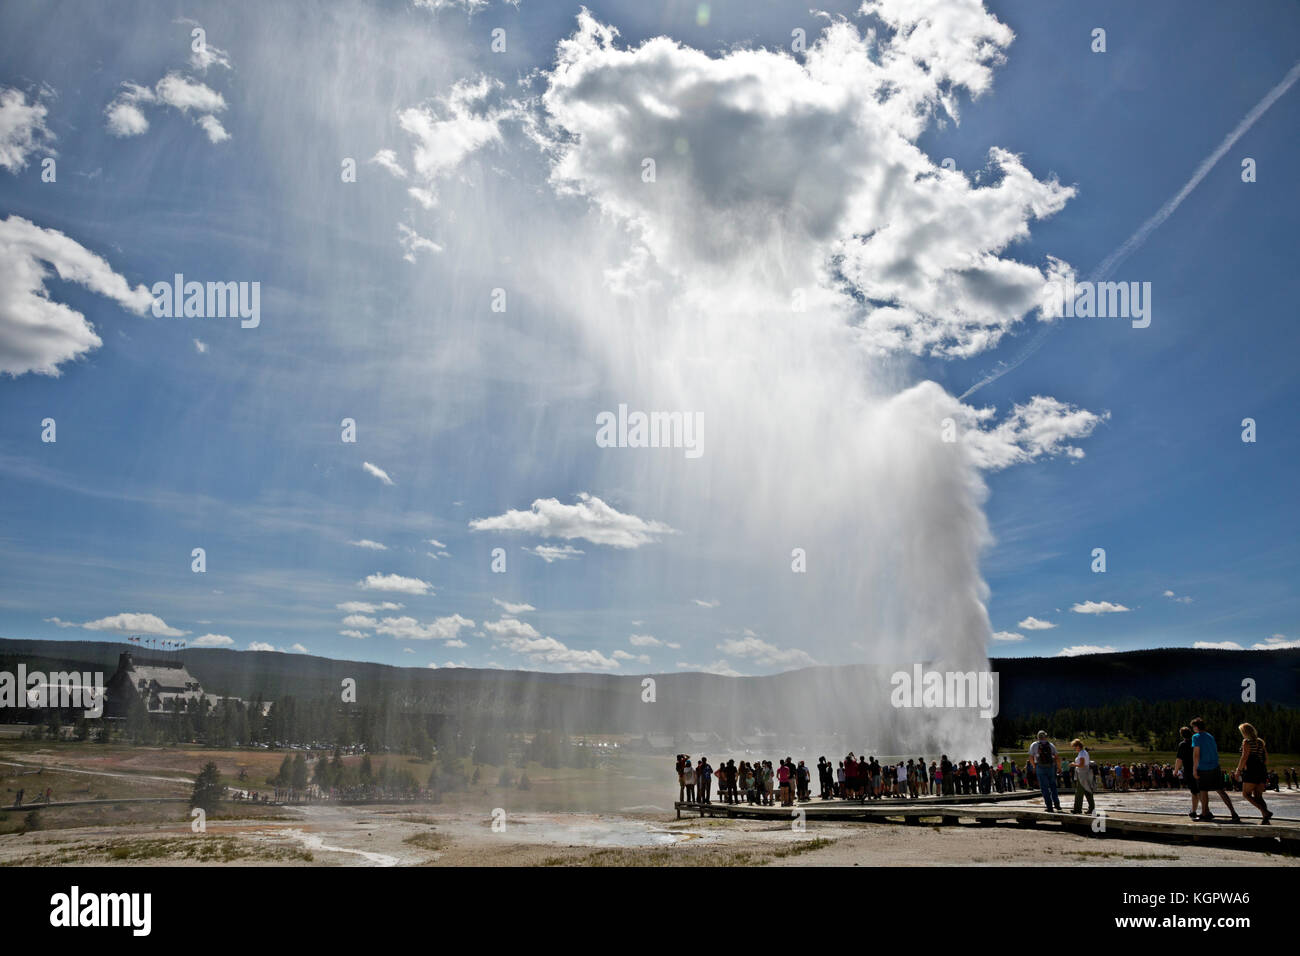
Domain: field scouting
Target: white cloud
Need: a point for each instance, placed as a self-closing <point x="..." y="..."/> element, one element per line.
<point x="377" y="472"/>
<point x="413" y="242"/>
<point x="354" y="634"/>
<point x="643" y="640"/>
<point x="1040" y="428"/>
<point x="511" y="608"/>
<point x="549" y="651"/>
<point x="212" y="126"/>
<point x="436" y="543"/>
<point x="409" y="629"/>
<point x="22" y="129"/>
<point x="1008" y="637"/>
<point x="590" y="520"/>
<point x="817" y="159"/>
<point x="201" y="347"/>
<point x="511" y="627"/>
<point x="37" y="333"/>
<point x="387" y="159"/>
<point x="126" y="117"/>
<point x="366" y="607"/>
<point x="369" y="545"/>
<point x="134" y="623"/>
<point x="452" y="643"/>
<point x="1218" y="646"/>
<point x="299" y="648"/>
<point x="445" y="133"/>
<point x="1277" y="642"/>
<point x="212" y="640"/>
<point x="1184" y="599"/>
<point x="359" y="621"/>
<point x="395" y="582"/>
<point x="1034" y="624"/>
<point x="1081" y="649"/>
<point x="260" y="646"/>
<point x="765" y="654"/>
<point x="703" y="603"/>
<point x="554" y="552"/>
<point x="1098" y="607"/>
<point x="721" y="668"/>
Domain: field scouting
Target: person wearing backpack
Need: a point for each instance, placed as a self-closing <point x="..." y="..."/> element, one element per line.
<point x="1046" y="761"/>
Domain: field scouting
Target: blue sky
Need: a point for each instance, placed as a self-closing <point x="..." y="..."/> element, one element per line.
<point x="165" y="445"/>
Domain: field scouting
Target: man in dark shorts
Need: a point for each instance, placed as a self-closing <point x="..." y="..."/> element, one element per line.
<point x="1209" y="776"/>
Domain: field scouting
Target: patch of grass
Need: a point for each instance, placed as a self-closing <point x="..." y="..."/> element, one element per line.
<point x="205" y="849"/>
<point x="428" y="841"/>
<point x="803" y="846"/>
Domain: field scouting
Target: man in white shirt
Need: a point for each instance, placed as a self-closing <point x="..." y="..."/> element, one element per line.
<point x="1083" y="786"/>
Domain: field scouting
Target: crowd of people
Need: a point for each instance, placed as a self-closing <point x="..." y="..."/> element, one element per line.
<point x="1196" y="768"/>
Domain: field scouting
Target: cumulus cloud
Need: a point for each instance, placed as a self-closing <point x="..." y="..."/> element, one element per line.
<point x="755" y="150"/>
<point x="510" y="627"/>
<point x="125" y="114"/>
<point x="1278" y="642"/>
<point x="1218" y="646"/>
<point x="590" y="520"/>
<point x="37" y="333"/>
<point x="367" y="607"/>
<point x="260" y="646"/>
<point x="201" y="347"/>
<point x="1081" y="649"/>
<point x="409" y="629"/>
<point x="721" y="668"/>
<point x="369" y="545"/>
<point x="511" y="608"/>
<point x="445" y="132"/>
<point x="1007" y="637"/>
<point x="213" y="640"/>
<point x="643" y="640"/>
<point x="553" y="552"/>
<point x="547" y="651"/>
<point x="395" y="582"/>
<point x="412" y="242"/>
<point x="1183" y="599"/>
<point x="1098" y="607"/>
<point x="765" y="654"/>
<point x="1034" y="624"/>
<point x="22" y="129"/>
<point x="358" y="635"/>
<point x="1040" y="428"/>
<point x="134" y="623"/>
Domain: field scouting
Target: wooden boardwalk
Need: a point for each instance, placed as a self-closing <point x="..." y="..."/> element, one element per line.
<point x="1000" y="809"/>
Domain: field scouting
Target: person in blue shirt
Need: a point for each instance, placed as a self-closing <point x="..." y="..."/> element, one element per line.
<point x="1205" y="767"/>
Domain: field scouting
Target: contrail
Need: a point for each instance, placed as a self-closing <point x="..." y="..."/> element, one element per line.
<point x="1135" y="241"/>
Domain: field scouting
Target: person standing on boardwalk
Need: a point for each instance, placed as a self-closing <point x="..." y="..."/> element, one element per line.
<point x="688" y="777"/>
<point x="1183" y="763"/>
<point x="1252" y="768"/>
<point x="1205" y="767"/>
<point x="704" y="778"/>
<point x="1045" y="761"/>
<point x="1083" y="785"/>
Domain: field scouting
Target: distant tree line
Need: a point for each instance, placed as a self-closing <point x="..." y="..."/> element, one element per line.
<point x="1155" y="724"/>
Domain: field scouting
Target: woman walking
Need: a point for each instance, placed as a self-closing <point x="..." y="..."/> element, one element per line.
<point x="1253" y="769"/>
